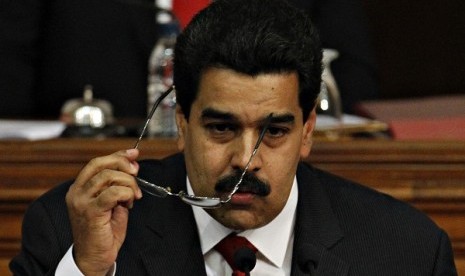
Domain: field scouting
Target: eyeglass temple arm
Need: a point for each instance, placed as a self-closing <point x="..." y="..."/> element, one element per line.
<point x="262" y="133"/>
<point x="149" y="117"/>
<point x="259" y="141"/>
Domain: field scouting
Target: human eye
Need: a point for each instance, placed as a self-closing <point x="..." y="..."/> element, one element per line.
<point x="276" y="131"/>
<point x="220" y="129"/>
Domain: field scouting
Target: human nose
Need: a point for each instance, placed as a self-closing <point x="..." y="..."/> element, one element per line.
<point x="244" y="147"/>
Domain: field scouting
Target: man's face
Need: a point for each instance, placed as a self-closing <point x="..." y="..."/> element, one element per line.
<point x="224" y="124"/>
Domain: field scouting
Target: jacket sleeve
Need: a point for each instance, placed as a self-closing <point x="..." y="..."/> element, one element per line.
<point x="445" y="257"/>
<point x="42" y="243"/>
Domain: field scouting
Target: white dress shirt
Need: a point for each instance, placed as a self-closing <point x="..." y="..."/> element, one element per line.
<point x="273" y="241"/>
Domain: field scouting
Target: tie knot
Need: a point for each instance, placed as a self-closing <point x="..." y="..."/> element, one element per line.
<point x="228" y="246"/>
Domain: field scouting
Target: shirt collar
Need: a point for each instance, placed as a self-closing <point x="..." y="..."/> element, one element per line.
<point x="280" y="230"/>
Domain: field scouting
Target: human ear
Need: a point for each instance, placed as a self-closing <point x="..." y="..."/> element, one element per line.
<point x="307" y="134"/>
<point x="181" y="123"/>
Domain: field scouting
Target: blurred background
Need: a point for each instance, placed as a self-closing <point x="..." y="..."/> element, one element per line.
<point x="400" y="49"/>
<point x="419" y="46"/>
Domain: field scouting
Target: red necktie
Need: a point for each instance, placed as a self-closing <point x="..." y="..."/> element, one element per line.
<point x="186" y="9"/>
<point x="228" y="246"/>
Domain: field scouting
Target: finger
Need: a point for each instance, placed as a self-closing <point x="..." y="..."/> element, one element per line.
<point x="81" y="193"/>
<point x="115" y="196"/>
<point x="108" y="178"/>
<point x="122" y="161"/>
<point x="80" y="199"/>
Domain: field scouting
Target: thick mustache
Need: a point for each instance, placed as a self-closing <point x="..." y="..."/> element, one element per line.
<point x="250" y="183"/>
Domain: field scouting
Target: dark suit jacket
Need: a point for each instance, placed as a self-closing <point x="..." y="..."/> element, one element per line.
<point x="341" y="229"/>
<point x="49" y="50"/>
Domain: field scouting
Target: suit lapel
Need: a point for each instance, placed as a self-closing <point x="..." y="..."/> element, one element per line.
<point x="174" y="236"/>
<point x="316" y="231"/>
<point x="171" y="225"/>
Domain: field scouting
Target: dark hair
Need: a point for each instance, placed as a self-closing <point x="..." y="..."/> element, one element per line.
<point x="251" y="37"/>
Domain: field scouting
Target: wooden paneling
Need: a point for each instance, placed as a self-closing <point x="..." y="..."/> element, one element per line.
<point x="429" y="175"/>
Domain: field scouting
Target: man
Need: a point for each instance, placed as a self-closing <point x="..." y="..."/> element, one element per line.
<point x="235" y="64"/>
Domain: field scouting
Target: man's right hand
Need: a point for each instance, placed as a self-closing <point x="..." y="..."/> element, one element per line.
<point x="98" y="206"/>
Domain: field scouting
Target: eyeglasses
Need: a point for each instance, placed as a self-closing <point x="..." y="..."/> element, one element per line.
<point x="200" y="201"/>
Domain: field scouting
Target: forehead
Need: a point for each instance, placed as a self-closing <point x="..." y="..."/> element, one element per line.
<point x="229" y="91"/>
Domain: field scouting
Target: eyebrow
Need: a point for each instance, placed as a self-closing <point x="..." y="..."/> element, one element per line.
<point x="283" y="118"/>
<point x="210" y="113"/>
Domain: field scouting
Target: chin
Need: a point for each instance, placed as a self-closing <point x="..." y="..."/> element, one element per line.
<point x="238" y="219"/>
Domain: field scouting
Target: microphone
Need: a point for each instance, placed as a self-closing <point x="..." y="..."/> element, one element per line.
<point x="245" y="259"/>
